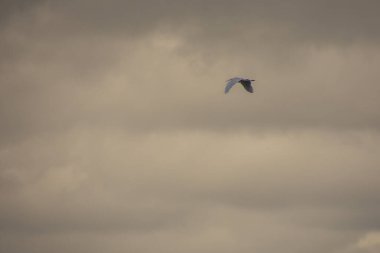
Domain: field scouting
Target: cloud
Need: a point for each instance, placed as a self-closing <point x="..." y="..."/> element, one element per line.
<point x="370" y="242"/>
<point x="83" y="76"/>
<point x="155" y="186"/>
<point x="115" y="130"/>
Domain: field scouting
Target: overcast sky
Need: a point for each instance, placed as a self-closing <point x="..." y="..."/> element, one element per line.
<point x="116" y="135"/>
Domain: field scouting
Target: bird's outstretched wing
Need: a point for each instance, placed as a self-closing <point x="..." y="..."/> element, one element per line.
<point x="231" y="82"/>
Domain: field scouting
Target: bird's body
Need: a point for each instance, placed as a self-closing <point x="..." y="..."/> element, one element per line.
<point x="247" y="84"/>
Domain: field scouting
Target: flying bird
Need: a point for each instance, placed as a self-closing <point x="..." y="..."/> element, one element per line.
<point x="245" y="82"/>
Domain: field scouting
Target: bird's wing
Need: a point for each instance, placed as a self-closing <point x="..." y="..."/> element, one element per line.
<point x="248" y="88"/>
<point x="231" y="83"/>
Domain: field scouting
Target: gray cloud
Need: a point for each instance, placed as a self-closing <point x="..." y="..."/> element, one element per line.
<point x="103" y="183"/>
<point x="115" y="132"/>
<point x="11" y="8"/>
<point x="310" y="87"/>
<point x="310" y="20"/>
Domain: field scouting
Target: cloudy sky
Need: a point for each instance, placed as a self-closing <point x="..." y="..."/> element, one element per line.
<point x="116" y="136"/>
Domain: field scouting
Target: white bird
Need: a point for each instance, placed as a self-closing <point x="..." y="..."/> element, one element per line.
<point x="245" y="82"/>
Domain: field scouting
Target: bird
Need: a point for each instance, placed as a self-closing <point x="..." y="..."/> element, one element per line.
<point x="245" y="82"/>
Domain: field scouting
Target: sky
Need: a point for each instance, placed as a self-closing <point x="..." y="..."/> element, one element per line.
<point x="116" y="135"/>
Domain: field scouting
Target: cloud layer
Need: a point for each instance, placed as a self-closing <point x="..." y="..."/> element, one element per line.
<point x="116" y="136"/>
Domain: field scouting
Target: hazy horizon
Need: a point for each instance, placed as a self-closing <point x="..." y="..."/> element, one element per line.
<point x="116" y="134"/>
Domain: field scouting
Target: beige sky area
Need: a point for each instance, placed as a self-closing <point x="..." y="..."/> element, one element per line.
<point x="116" y="135"/>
